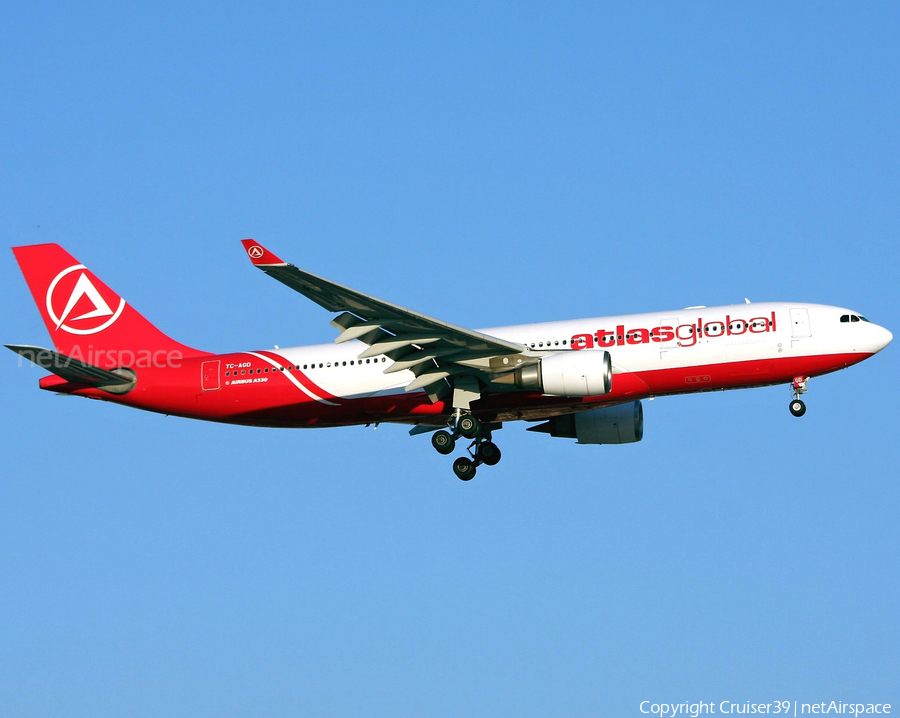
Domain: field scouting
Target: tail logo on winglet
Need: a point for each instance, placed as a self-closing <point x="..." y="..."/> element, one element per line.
<point x="81" y="294"/>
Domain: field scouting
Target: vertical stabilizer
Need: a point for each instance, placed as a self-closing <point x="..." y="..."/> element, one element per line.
<point x="85" y="318"/>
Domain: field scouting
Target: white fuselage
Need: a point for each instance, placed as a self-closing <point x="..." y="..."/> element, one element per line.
<point x="637" y="343"/>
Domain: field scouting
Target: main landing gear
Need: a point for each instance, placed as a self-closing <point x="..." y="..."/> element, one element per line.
<point x="798" y="387"/>
<point x="482" y="450"/>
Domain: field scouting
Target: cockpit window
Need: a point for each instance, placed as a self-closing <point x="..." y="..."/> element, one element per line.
<point x="854" y="318"/>
<point x="864" y="319"/>
<point x="845" y="317"/>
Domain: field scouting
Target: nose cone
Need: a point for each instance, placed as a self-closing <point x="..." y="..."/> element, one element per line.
<point x="882" y="338"/>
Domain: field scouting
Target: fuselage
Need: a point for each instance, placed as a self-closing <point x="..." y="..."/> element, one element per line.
<point x="653" y="354"/>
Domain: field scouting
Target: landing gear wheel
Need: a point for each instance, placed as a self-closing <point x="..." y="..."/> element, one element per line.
<point x="443" y="442"/>
<point x="464" y="468"/>
<point x="468" y="426"/>
<point x="488" y="453"/>
<point x="798" y="408"/>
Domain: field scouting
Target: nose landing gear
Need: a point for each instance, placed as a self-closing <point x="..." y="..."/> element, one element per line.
<point x="798" y="387"/>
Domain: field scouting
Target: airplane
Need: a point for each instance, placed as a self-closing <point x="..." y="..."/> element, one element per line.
<point x="584" y="379"/>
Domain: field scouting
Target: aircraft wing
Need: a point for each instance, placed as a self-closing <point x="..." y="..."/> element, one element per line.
<point x="433" y="350"/>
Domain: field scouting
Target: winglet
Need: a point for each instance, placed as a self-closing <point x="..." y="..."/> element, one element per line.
<point x="259" y="255"/>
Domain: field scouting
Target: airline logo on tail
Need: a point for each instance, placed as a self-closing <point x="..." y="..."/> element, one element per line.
<point x="73" y="299"/>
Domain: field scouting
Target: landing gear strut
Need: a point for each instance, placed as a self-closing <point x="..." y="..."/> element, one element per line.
<point x="466" y="390"/>
<point x="482" y="450"/>
<point x="798" y="387"/>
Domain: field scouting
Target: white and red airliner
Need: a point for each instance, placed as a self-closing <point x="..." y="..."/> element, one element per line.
<point x="584" y="378"/>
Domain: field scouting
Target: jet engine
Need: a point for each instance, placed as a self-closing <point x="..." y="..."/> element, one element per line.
<point x="572" y="373"/>
<point x="620" y="424"/>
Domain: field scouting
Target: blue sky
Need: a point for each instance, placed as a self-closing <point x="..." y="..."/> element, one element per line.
<point x="487" y="164"/>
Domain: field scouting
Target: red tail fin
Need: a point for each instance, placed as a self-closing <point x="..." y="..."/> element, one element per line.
<point x="85" y="318"/>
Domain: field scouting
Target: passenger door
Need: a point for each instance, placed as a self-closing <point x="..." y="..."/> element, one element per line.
<point x="800" y="323"/>
<point x="210" y="375"/>
<point x="666" y="346"/>
<point x="800" y="328"/>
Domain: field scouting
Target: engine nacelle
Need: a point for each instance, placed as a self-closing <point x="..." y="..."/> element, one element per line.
<point x="573" y="373"/>
<point x="620" y="424"/>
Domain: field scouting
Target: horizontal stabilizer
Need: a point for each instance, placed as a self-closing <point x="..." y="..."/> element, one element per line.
<point x="118" y="381"/>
